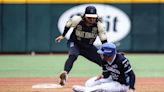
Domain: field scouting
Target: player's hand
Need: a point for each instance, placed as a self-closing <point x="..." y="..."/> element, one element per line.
<point x="130" y="90"/>
<point x="59" y="38"/>
<point x="99" y="77"/>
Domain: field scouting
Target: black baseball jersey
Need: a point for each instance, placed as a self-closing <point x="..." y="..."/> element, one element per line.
<point x="84" y="34"/>
<point x="117" y="69"/>
<point x="81" y="40"/>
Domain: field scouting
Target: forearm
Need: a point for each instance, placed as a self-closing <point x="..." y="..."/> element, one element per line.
<point x="130" y="90"/>
<point x="99" y="77"/>
<point x="132" y="80"/>
<point x="65" y="31"/>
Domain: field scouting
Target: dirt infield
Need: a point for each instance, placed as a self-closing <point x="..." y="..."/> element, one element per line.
<point x="25" y="84"/>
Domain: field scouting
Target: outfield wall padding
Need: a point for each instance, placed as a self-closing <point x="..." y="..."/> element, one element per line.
<point x="33" y="27"/>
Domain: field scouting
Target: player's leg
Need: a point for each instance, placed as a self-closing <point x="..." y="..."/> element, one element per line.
<point x="102" y="85"/>
<point x="92" y="82"/>
<point x="91" y="54"/>
<point x="108" y="87"/>
<point x="89" y="83"/>
<point x="73" y="54"/>
<point x="78" y="88"/>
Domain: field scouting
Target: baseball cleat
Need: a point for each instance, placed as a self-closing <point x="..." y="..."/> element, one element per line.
<point x="77" y="88"/>
<point x="63" y="78"/>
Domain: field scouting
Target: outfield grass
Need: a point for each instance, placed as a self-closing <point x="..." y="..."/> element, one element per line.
<point x="144" y="65"/>
<point x="147" y="65"/>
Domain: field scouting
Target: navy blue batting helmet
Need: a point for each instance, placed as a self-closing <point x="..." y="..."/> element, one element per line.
<point x="90" y="11"/>
<point x="107" y="49"/>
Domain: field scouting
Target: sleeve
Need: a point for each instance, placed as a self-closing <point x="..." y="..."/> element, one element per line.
<point x="72" y="22"/>
<point x="101" y="32"/>
<point x="131" y="79"/>
<point x="128" y="71"/>
<point x="65" y="31"/>
<point x="126" y="65"/>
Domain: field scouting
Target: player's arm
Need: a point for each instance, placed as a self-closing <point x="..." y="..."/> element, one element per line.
<point x="61" y="37"/>
<point x="101" y="32"/>
<point x="66" y="28"/>
<point x="128" y="70"/>
<point x="99" y="77"/>
<point x="131" y="81"/>
<point x="72" y="22"/>
<point x="130" y="90"/>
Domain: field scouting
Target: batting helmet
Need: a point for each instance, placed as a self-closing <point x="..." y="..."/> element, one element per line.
<point x="90" y="11"/>
<point x="107" y="49"/>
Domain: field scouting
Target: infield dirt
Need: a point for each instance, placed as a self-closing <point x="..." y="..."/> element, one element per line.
<point x="25" y="84"/>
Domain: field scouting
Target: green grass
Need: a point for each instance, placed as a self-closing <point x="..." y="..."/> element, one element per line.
<point x="149" y="65"/>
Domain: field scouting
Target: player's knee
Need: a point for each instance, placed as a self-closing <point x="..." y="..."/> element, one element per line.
<point x="91" y="82"/>
<point x="73" y="57"/>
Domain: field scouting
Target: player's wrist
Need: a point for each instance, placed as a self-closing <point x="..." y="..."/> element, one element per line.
<point x="131" y="90"/>
<point x="99" y="77"/>
<point x="63" y="35"/>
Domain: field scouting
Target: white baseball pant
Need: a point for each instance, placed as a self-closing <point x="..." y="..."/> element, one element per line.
<point x="104" y="85"/>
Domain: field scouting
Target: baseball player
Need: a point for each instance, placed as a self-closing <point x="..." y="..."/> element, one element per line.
<point x="86" y="29"/>
<point x="117" y="74"/>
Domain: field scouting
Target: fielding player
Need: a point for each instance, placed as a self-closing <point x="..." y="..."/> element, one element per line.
<point x="86" y="29"/>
